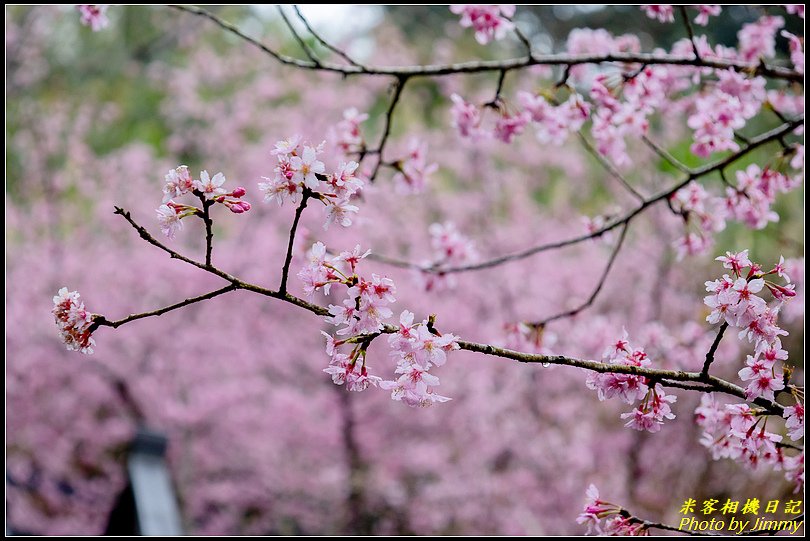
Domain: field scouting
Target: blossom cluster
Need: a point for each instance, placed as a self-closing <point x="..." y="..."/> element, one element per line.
<point x="361" y="317"/>
<point x="94" y="16"/>
<point x="73" y="320"/>
<point x="605" y="518"/>
<point x="749" y="201"/>
<point x="490" y="22"/>
<point x="738" y="432"/>
<point x="735" y="300"/>
<point x="665" y="13"/>
<point x="179" y="182"/>
<point x="450" y="249"/>
<point x="654" y="408"/>
<point x="299" y="168"/>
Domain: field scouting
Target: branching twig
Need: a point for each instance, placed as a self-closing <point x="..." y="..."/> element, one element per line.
<point x="663" y="153"/>
<point x="303" y="44"/>
<point x="689" y="30"/>
<point x="597" y="289"/>
<point x="713" y="349"/>
<point x="389" y="114"/>
<point x="322" y="41"/>
<point x="435" y="70"/>
<point x="288" y="258"/>
<point x="101" y="321"/>
<point x="712" y="383"/>
<point x="609" y="167"/>
<point x="209" y="228"/>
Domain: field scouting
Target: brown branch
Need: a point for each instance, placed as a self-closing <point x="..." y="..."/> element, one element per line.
<point x="288" y="258"/>
<point x="435" y="70"/>
<point x="692" y="174"/>
<point x="597" y="289"/>
<point x="713" y="349"/>
<point x="303" y="44"/>
<point x="689" y="30"/>
<point x="322" y="41"/>
<point x="209" y="228"/>
<point x="609" y="167"/>
<point x="101" y="321"/>
<point x="389" y="114"/>
<point x="663" y="153"/>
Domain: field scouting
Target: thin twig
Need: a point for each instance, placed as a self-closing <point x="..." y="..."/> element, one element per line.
<point x="209" y="228"/>
<point x="597" y="289"/>
<point x="303" y="44"/>
<point x="495" y="101"/>
<point x="689" y="30"/>
<point x="288" y="258"/>
<point x="661" y="151"/>
<point x="435" y="70"/>
<point x="609" y="167"/>
<point x="713" y="349"/>
<point x="322" y="41"/>
<point x="389" y="114"/>
<point x="101" y="321"/>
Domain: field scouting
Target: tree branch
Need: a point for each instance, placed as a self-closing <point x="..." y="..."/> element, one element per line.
<point x="689" y="30"/>
<point x="435" y="70"/>
<point x="597" y="289"/>
<point x="209" y="228"/>
<point x="288" y="258"/>
<point x="101" y="321"/>
<point x="303" y="44"/>
<point x="398" y="86"/>
<point x="713" y="349"/>
<point x="322" y="41"/>
<point x="608" y="166"/>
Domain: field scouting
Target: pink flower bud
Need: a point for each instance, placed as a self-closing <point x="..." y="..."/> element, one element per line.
<point x="238" y="207"/>
<point x="239" y="192"/>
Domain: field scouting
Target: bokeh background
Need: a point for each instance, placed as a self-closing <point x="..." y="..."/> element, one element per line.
<point x="260" y="440"/>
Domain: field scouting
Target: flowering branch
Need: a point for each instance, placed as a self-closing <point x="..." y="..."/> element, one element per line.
<point x="209" y="231"/>
<point x="689" y="30"/>
<point x="434" y="70"/>
<point x="691" y="174"/>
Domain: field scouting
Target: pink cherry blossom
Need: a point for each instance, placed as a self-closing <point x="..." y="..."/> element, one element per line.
<point x="94" y="15"/>
<point x="466" y="117"/>
<point x="178" y="183"/>
<point x="307" y="167"/>
<point x="595" y="510"/>
<point x="706" y="11"/>
<point x="73" y="321"/>
<point x="490" y="22"/>
<point x="661" y="12"/>
<point x="169" y="218"/>
<point x="347" y="134"/>
<point x="210" y="187"/>
<point x="414" y="170"/>
<point x="340" y="212"/>
<point x="757" y="39"/>
<point x="287" y="147"/>
<point x="764" y="379"/>
<point x="795" y="421"/>
<point x="795" y="9"/>
<point x="796" y="51"/>
<point x="651" y="414"/>
<point x="509" y="126"/>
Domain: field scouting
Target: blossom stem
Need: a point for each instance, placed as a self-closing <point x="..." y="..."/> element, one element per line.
<point x="713" y="349"/>
<point x="285" y="271"/>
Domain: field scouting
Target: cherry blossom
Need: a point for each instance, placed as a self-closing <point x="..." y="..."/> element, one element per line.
<point x="757" y="39"/>
<point x="307" y="167"/>
<point x="73" y="321"/>
<point x="706" y="11"/>
<point x="169" y="217"/>
<point x="596" y="510"/>
<point x="661" y="12"/>
<point x="346" y="134"/>
<point x="466" y="117"/>
<point x="94" y="16"/>
<point x="414" y="170"/>
<point x="210" y="187"/>
<point x="795" y="9"/>
<point x="178" y="183"/>
<point x="795" y="421"/>
<point x="490" y="22"/>
<point x="796" y="50"/>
